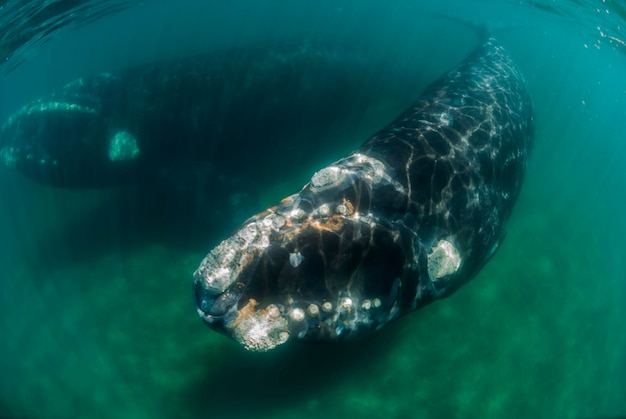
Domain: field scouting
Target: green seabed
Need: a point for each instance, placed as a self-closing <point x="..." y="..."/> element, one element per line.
<point x="113" y="333"/>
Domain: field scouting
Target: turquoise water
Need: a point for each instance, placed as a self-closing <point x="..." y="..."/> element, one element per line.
<point x="96" y="314"/>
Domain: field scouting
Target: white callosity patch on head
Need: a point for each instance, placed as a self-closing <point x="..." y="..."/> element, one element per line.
<point x="273" y="221"/>
<point x="223" y="265"/>
<point x="342" y="209"/>
<point x="260" y="330"/>
<point x="327" y="178"/>
<point x="323" y="210"/>
<point x="297" y="214"/>
<point x="444" y="260"/>
<point x="297" y="314"/>
<point x="313" y="310"/>
<point x="376" y="171"/>
<point x="123" y="146"/>
<point x="369" y="169"/>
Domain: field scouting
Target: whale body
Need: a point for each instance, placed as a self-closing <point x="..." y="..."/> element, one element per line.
<point x="404" y="220"/>
<point x="230" y="108"/>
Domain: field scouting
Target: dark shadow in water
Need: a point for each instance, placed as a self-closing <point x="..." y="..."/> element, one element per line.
<point x="145" y="215"/>
<point x="56" y="229"/>
<point x="189" y="206"/>
<point x="242" y="384"/>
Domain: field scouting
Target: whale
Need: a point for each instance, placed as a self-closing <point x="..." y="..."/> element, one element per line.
<point x="404" y="220"/>
<point x="230" y="108"/>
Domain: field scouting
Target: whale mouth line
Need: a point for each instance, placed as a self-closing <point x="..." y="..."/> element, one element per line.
<point x="209" y="318"/>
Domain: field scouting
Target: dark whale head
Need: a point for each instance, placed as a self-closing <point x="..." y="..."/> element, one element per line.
<point x="405" y="220"/>
<point x="323" y="264"/>
<point x="66" y="139"/>
<point x="65" y="144"/>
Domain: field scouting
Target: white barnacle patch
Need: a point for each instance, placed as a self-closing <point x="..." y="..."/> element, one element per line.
<point x="297" y="214"/>
<point x="366" y="304"/>
<point x="376" y="171"/>
<point x="263" y="242"/>
<point x="327" y="307"/>
<point x="223" y="265"/>
<point x="373" y="170"/>
<point x="123" y="146"/>
<point x="249" y="232"/>
<point x="444" y="260"/>
<point x="327" y="178"/>
<point x="313" y="310"/>
<point x="347" y="317"/>
<point x="376" y="303"/>
<point x="297" y="314"/>
<point x="323" y="210"/>
<point x="260" y="330"/>
<point x="273" y="311"/>
<point x="274" y="221"/>
<point x="216" y="269"/>
<point x="295" y="259"/>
